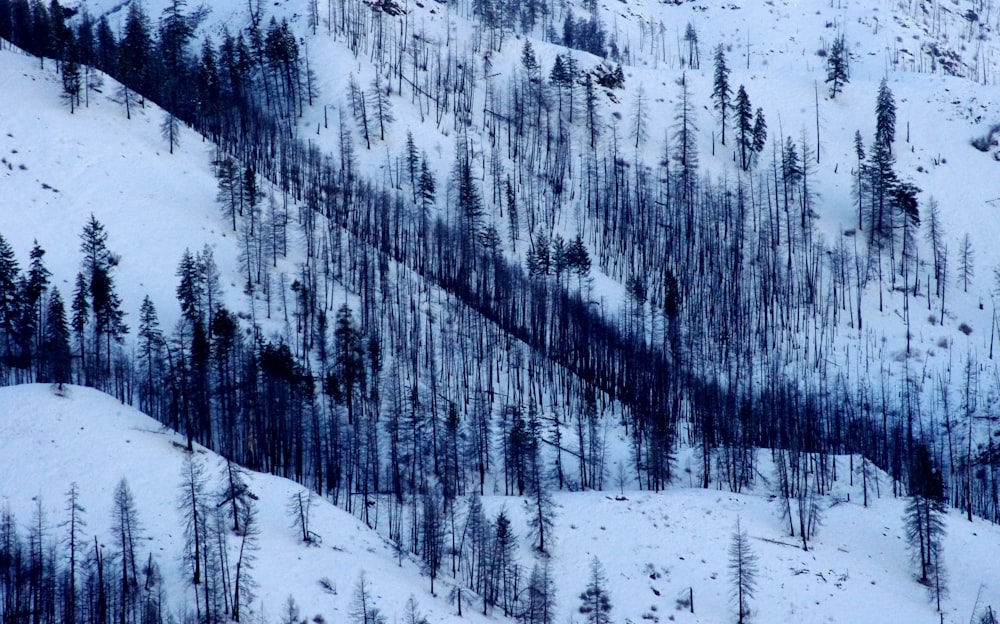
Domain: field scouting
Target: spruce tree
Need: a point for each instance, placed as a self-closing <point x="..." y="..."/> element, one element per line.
<point x="595" y="603"/>
<point x="722" y="93"/>
<point x="57" y="356"/>
<point x="744" y="127"/>
<point x="924" y="520"/>
<point x="836" y="66"/>
<point x="885" y="117"/>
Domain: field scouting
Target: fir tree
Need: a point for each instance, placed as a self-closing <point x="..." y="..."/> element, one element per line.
<point x="885" y="117"/>
<point x="836" y="66"/>
<point x="57" y="357"/>
<point x="722" y="93"/>
<point x="595" y="603"/>
<point x="744" y="127"/>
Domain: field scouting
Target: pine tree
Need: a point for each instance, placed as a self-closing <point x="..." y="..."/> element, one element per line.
<point x="432" y="530"/>
<point x="349" y="373"/>
<point x="57" y="360"/>
<point x="924" y="520"/>
<point x="230" y="191"/>
<point x="836" y="66"/>
<point x="412" y="163"/>
<point x="539" y="604"/>
<point x="243" y="583"/>
<point x="691" y="38"/>
<point x="8" y="296"/>
<point x="722" y="93"/>
<point x="134" y="55"/>
<point x="640" y="118"/>
<point x="363" y="609"/>
<point x="170" y="130"/>
<point x="744" y="127"/>
<point x="381" y="105"/>
<point x="885" y="117"/>
<point x="858" y="182"/>
<point x="595" y="602"/>
<point x="193" y="507"/>
<point x="150" y="349"/>
<point x="72" y="84"/>
<point x="759" y="134"/>
<point x="81" y="317"/>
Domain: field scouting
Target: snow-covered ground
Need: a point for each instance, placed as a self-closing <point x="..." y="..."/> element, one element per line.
<point x="59" y="169"/>
<point x="655" y="547"/>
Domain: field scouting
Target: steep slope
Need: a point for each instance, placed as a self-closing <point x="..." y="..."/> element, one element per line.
<point x="655" y="548"/>
<point x="772" y="48"/>
<point x="51" y="440"/>
<point x="60" y="169"/>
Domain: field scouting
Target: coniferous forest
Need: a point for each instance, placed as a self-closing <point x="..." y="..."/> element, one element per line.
<point x="438" y="327"/>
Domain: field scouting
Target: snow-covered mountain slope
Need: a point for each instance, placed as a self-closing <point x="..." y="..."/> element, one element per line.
<point x="655" y="547"/>
<point x="59" y="169"/>
<point x="50" y="440"/>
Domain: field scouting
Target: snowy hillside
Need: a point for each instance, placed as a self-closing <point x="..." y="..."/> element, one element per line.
<point x="443" y="268"/>
<point x="59" y="171"/>
<point x="654" y="547"/>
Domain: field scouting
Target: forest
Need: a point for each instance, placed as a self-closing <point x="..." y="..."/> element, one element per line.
<point x="438" y="327"/>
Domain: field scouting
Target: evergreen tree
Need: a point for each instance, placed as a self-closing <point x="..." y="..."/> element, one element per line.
<point x="539" y="604"/>
<point x="722" y="93"/>
<point x="363" y="609"/>
<point x="57" y="366"/>
<point x="858" y="182"/>
<point x="134" y="62"/>
<point x="505" y="569"/>
<point x="193" y="506"/>
<point x="9" y="271"/>
<point x="125" y="528"/>
<point x="150" y="350"/>
<point x="966" y="262"/>
<point x="924" y="520"/>
<point x="595" y="603"/>
<point x="691" y="38"/>
<point x="885" y="117"/>
<point x="744" y="127"/>
<point x="349" y="373"/>
<point x="759" y="134"/>
<point x="230" y="189"/>
<point x="381" y="105"/>
<point x="72" y="83"/>
<point x="836" y="66"/>
<point x="243" y="584"/>
<point x="640" y="118"/>
<point x="81" y="317"/>
<point x="75" y="544"/>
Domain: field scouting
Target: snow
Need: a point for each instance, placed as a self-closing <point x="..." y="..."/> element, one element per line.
<point x="60" y="169"/>
<point x="654" y="546"/>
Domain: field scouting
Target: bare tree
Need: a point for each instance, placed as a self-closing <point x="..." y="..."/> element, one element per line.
<point x="743" y="570"/>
